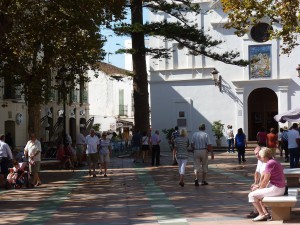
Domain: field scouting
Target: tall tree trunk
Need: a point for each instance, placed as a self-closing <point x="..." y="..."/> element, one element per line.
<point x="140" y="78"/>
<point x="34" y="117"/>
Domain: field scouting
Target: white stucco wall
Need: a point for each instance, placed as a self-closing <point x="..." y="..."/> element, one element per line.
<point x="104" y="99"/>
<point x="186" y="78"/>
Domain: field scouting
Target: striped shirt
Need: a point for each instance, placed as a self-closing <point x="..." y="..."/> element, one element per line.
<point x="181" y="145"/>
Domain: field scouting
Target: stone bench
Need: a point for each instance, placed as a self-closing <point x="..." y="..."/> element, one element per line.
<point x="50" y="162"/>
<point x="293" y="191"/>
<point x="281" y="205"/>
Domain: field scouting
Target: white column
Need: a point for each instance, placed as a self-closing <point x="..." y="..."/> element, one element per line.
<point x="283" y="99"/>
<point x="240" y="109"/>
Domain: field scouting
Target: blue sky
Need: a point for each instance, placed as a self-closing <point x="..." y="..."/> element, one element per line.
<point x="114" y="43"/>
<point x="111" y="46"/>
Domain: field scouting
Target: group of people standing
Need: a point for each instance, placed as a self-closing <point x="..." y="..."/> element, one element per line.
<point x="32" y="152"/>
<point x="141" y="145"/>
<point x="287" y="140"/>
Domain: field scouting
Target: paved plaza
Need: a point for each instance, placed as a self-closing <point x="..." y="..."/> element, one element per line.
<point x="136" y="193"/>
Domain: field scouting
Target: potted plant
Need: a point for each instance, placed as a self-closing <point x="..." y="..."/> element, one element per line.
<point x="168" y="135"/>
<point x="218" y="128"/>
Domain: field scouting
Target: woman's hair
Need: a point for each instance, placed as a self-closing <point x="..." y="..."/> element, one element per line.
<point x="266" y="153"/>
<point x="240" y="131"/>
<point x="183" y="132"/>
<point x="272" y="130"/>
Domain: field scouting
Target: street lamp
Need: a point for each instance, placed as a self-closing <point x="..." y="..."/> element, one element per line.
<point x="64" y="87"/>
<point x="298" y="69"/>
<point x="216" y="78"/>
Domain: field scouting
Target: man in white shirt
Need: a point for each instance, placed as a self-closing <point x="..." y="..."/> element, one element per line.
<point x="92" y="145"/>
<point x="201" y="145"/>
<point x="260" y="168"/>
<point x="5" y="155"/>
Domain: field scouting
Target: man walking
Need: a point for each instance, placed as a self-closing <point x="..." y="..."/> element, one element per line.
<point x="5" y="156"/>
<point x="201" y="145"/>
<point x="230" y="139"/>
<point x="155" y="140"/>
<point x="92" y="145"/>
<point x="293" y="145"/>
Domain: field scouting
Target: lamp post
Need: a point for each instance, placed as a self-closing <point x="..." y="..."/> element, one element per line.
<point x="60" y="78"/>
<point x="216" y="78"/>
<point x="298" y="69"/>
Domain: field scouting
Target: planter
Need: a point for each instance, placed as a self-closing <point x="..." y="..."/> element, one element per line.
<point x="218" y="142"/>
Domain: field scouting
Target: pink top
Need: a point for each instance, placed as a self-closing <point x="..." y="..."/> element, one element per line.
<point x="276" y="170"/>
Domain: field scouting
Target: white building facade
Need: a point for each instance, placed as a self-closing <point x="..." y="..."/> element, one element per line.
<point x="14" y="115"/>
<point x="183" y="93"/>
<point x="111" y="98"/>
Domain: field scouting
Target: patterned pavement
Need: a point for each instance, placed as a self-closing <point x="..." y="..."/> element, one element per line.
<point x="136" y="193"/>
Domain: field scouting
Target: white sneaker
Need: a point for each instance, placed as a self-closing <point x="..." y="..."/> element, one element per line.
<point x="260" y="218"/>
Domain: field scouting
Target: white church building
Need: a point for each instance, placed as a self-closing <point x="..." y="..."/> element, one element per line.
<point x="183" y="93"/>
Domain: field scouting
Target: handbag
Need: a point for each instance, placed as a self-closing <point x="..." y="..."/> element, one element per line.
<point x="31" y="162"/>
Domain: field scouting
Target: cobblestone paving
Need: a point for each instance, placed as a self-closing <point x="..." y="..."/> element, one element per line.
<point x="136" y="193"/>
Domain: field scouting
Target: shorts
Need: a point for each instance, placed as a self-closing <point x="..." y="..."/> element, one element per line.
<point x="145" y="147"/>
<point x="104" y="158"/>
<point x="92" y="157"/>
<point x="135" y="148"/>
<point x="36" y="168"/>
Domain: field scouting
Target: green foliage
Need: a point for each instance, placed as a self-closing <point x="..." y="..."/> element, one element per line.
<point x="96" y="126"/>
<point x="242" y="15"/>
<point x="218" y="128"/>
<point x="39" y="38"/>
<point x="180" y="27"/>
<point x="168" y="133"/>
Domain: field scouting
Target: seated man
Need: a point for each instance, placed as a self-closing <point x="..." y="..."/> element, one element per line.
<point x="64" y="156"/>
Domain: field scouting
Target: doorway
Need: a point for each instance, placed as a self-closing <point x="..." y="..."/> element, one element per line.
<point x="262" y="107"/>
<point x="10" y="131"/>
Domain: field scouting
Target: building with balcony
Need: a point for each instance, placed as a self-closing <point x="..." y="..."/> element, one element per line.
<point x="111" y="98"/>
<point x="14" y="114"/>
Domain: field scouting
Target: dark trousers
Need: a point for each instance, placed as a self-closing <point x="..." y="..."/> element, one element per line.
<point x="241" y="153"/>
<point x="155" y="154"/>
<point x="294" y="157"/>
<point x="4" y="166"/>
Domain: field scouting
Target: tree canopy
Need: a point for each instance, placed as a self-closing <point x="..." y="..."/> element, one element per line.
<point x="40" y="37"/>
<point x="242" y="15"/>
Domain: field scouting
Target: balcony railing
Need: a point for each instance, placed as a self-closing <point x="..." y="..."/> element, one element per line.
<point x="123" y="110"/>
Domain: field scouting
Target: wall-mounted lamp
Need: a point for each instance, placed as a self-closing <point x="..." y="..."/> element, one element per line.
<point x="216" y="78"/>
<point x="298" y="69"/>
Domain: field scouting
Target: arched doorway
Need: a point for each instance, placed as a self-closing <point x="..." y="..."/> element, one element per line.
<point x="262" y="107"/>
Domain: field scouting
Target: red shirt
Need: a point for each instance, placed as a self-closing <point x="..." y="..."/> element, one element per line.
<point x="272" y="140"/>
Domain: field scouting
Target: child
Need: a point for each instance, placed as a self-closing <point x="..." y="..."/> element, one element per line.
<point x="13" y="173"/>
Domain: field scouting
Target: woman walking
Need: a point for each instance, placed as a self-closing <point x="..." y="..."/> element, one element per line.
<point x="240" y="144"/>
<point x="181" y="144"/>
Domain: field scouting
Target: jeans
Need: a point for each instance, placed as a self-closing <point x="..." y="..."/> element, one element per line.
<point x="294" y="157"/>
<point x="230" y="145"/>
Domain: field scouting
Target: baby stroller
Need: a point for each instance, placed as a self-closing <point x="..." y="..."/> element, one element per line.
<point x="19" y="176"/>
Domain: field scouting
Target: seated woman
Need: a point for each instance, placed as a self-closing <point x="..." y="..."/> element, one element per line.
<point x="64" y="156"/>
<point x="272" y="183"/>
